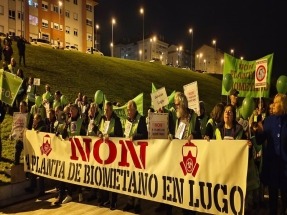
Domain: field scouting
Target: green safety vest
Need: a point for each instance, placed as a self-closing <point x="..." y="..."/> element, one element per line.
<point x="135" y="124"/>
<point x="111" y="128"/>
<point x="192" y="122"/>
<point x="75" y="131"/>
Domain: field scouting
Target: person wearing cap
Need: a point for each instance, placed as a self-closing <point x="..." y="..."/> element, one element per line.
<point x="233" y="96"/>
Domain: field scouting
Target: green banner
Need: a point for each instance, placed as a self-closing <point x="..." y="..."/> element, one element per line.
<point x="10" y="85"/>
<point x="243" y="76"/>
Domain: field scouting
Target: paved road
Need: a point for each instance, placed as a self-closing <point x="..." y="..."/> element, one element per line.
<point x="44" y="206"/>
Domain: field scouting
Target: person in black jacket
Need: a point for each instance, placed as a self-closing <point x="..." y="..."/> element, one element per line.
<point x="21" y="45"/>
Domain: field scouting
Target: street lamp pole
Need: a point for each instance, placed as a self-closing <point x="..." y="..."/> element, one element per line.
<point x="191" y="33"/>
<point x="60" y="4"/>
<point x="142" y="12"/>
<point x="97" y="27"/>
<point x="112" y="44"/>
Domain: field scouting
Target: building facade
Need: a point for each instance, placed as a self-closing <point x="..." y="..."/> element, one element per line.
<point x="209" y="59"/>
<point x="151" y="49"/>
<point x="69" y="22"/>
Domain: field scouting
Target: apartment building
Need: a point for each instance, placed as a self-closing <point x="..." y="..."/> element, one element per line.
<point x="151" y="49"/>
<point x="68" y="21"/>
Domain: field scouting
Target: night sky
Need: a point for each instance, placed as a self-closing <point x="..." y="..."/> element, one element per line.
<point x="252" y="28"/>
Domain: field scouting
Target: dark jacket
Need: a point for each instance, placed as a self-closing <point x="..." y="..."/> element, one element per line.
<point x="274" y="166"/>
<point x="141" y="132"/>
<point x="21" y="46"/>
<point x="117" y="130"/>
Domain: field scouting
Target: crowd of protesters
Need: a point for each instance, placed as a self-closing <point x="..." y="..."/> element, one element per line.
<point x="264" y="132"/>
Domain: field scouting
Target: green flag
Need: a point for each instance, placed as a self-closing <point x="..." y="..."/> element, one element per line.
<point x="10" y="85"/>
<point x="243" y="75"/>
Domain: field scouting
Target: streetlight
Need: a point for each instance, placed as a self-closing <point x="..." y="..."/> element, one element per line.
<point x="179" y="49"/>
<point x="232" y="52"/>
<point x="221" y="64"/>
<point x="140" y="53"/>
<point x="60" y="4"/>
<point x="191" y="33"/>
<point x="112" y="44"/>
<point x="241" y="58"/>
<point x="200" y="56"/>
<point x="97" y="27"/>
<point x="214" y="43"/>
<point x="142" y="12"/>
<point x="151" y="46"/>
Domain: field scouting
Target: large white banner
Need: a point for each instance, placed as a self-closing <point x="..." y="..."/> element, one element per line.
<point x="203" y="176"/>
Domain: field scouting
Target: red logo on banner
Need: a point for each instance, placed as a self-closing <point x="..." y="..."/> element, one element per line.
<point x="46" y="146"/>
<point x="189" y="155"/>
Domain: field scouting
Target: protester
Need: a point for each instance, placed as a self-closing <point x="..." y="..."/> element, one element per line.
<point x="135" y="129"/>
<point x="12" y="66"/>
<point x="233" y="96"/>
<point x="39" y="109"/>
<point x="38" y="126"/>
<point x="7" y="40"/>
<point x="19" y="142"/>
<point x="230" y="129"/>
<point x="7" y="52"/>
<point x="47" y="96"/>
<point x="31" y="93"/>
<point x="74" y="127"/>
<point x="274" y="165"/>
<point x="216" y="117"/>
<point x="189" y="130"/>
<point x="79" y="99"/>
<point x="22" y="91"/>
<point x="110" y="126"/>
<point x="21" y="45"/>
<point x="186" y="116"/>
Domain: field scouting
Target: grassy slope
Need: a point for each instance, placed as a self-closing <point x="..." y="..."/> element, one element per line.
<point x="120" y="80"/>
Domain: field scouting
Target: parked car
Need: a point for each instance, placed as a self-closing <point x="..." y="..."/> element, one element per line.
<point x="41" y="42"/>
<point x="71" y="48"/>
<point x="95" y="51"/>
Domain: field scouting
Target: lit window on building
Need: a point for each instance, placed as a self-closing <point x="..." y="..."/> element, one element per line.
<point x="44" y="5"/>
<point x="45" y="23"/>
<point x="33" y="20"/>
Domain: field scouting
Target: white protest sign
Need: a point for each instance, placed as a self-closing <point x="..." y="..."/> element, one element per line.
<point x="261" y="72"/>
<point x="180" y="130"/>
<point x="191" y="93"/>
<point x="128" y="128"/>
<point x="158" y="125"/>
<point x="159" y="98"/>
<point x="36" y="81"/>
<point x="19" y="124"/>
